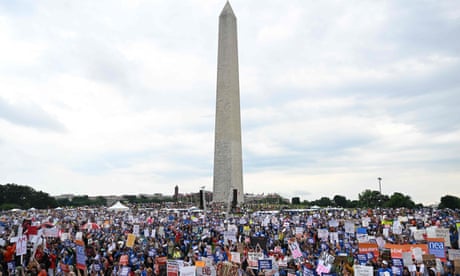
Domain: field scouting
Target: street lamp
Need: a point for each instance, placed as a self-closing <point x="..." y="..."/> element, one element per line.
<point x="203" y="198"/>
<point x="380" y="184"/>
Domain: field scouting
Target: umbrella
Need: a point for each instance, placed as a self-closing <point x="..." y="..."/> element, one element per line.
<point x="90" y="226"/>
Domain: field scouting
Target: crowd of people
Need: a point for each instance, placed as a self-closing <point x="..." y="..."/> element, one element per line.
<point x="163" y="239"/>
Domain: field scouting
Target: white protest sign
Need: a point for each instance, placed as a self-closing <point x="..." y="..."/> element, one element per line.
<point x="323" y="234"/>
<point x="21" y="246"/>
<point x="333" y="223"/>
<point x="454" y="254"/>
<point x="397" y="227"/>
<point x="362" y="238"/>
<point x="136" y="230"/>
<point x="365" y="221"/>
<point x="362" y="270"/>
<point x="236" y="257"/>
<point x="419" y="234"/>
<point x="349" y="227"/>
<point x="253" y="258"/>
<point x="417" y="252"/>
<point x="334" y="237"/>
<point x="444" y="234"/>
<point x="407" y="258"/>
<point x="187" y="271"/>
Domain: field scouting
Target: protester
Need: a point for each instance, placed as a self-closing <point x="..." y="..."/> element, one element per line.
<point x="151" y="240"/>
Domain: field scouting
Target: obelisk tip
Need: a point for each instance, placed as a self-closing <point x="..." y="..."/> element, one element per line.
<point x="227" y="9"/>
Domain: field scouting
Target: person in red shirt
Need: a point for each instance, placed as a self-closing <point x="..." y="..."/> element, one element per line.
<point x="8" y="254"/>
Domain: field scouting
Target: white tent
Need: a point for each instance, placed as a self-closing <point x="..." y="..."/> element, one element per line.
<point x="118" y="206"/>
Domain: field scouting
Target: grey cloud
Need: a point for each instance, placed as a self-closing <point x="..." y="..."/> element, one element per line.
<point x="30" y="116"/>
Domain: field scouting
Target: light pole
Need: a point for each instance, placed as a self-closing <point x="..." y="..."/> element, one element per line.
<point x="380" y="184"/>
<point x="203" y="197"/>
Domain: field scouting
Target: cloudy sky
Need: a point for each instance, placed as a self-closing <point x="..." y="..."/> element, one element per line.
<point x="118" y="97"/>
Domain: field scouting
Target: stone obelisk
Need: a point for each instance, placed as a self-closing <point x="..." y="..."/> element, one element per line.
<point x="228" y="167"/>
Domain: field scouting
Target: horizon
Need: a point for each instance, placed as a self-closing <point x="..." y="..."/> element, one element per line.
<point x="119" y="97"/>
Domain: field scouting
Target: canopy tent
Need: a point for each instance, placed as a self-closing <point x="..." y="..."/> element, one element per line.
<point x="118" y="206"/>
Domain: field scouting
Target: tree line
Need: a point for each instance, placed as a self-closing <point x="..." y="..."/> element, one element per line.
<point x="25" y="197"/>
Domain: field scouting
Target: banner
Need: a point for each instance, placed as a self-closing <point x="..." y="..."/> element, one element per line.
<point x="397" y="250"/>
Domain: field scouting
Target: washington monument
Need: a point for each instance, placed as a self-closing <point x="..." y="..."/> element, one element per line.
<point x="228" y="167"/>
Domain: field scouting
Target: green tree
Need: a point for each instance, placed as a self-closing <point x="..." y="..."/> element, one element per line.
<point x="398" y="200"/>
<point x="449" y="201"/>
<point x="341" y="201"/>
<point x="82" y="200"/>
<point x="372" y="199"/>
<point x="323" y="202"/>
<point x="25" y="197"/>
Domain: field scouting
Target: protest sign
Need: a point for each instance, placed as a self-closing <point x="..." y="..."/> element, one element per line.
<point x="436" y="248"/>
<point x="364" y="248"/>
<point x="454" y="254"/>
<point x="362" y="259"/>
<point x="417" y="252"/>
<point x="349" y="227"/>
<point x="407" y="258"/>
<point x="21" y="245"/>
<point x="80" y="254"/>
<point x="362" y="270"/>
<point x="124" y="260"/>
<point x="172" y="268"/>
<point x="295" y="250"/>
<point x="323" y="234"/>
<point x="264" y="264"/>
<point x="398" y="262"/>
<point x="206" y="271"/>
<point x="187" y="271"/>
<point x="322" y="267"/>
<point x="236" y="257"/>
<point x="419" y="234"/>
<point x="444" y="234"/>
<point x="253" y="258"/>
<point x="130" y="240"/>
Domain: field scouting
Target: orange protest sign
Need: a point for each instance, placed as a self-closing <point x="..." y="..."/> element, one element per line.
<point x="200" y="264"/>
<point x="365" y="248"/>
<point x="397" y="250"/>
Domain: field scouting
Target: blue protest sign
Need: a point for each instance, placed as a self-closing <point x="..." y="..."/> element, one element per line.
<point x="265" y="264"/>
